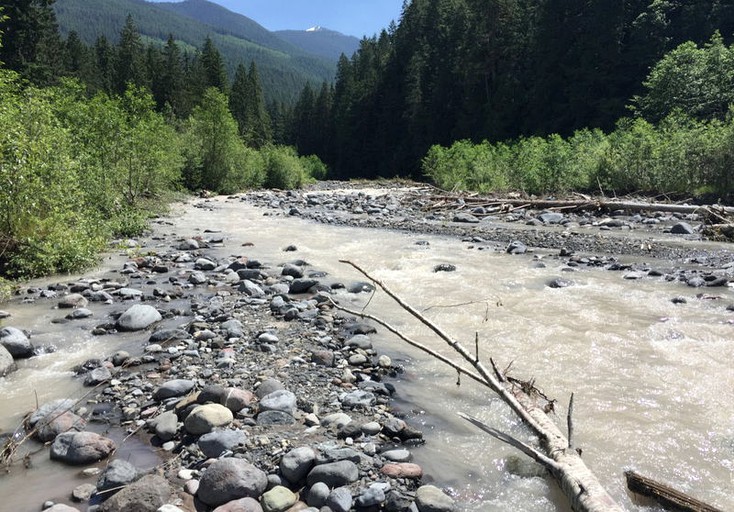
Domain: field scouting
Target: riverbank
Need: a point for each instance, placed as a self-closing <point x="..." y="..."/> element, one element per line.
<point x="232" y="328"/>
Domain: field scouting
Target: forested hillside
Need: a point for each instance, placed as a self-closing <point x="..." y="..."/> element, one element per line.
<point x="321" y="41"/>
<point x="495" y="70"/>
<point x="284" y="68"/>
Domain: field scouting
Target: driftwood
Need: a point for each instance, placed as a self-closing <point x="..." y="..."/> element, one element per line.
<point x="578" y="483"/>
<point x="668" y="497"/>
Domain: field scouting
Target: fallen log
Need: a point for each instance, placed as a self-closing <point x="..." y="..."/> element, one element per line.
<point x="668" y="497"/>
<point x="581" y="487"/>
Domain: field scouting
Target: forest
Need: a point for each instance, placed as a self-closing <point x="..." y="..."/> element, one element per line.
<point x="534" y="96"/>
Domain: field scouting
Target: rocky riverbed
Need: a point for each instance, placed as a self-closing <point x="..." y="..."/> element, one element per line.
<point x="254" y="390"/>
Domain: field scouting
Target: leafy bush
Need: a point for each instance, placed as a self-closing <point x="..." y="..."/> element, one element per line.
<point x="314" y="167"/>
<point x="283" y="168"/>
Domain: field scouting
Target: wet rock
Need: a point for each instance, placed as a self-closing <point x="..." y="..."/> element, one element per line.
<point x="296" y="464"/>
<point x="373" y="496"/>
<point x="73" y="300"/>
<point x="294" y="271"/>
<point x="138" y="317"/>
<point x="79" y="314"/>
<point x="231" y="479"/>
<point x="298" y="286"/>
<point x="97" y="376"/>
<point x="278" y="499"/>
<point x="216" y="443"/>
<point x="251" y="289"/>
<point x="402" y="470"/>
<point x="148" y="494"/>
<point x="360" y="287"/>
<point x="48" y="428"/>
<point x="83" y="493"/>
<point x="682" y="228"/>
<point x="204" y="264"/>
<point x="524" y="467"/>
<point x="444" y="267"/>
<point x="358" y="398"/>
<point x="54" y="407"/>
<point x="205" y="418"/>
<point x="7" y="363"/>
<point x="551" y="218"/>
<point x="516" y="247"/>
<point x="81" y="448"/>
<point x="429" y="498"/>
<point x="173" y="388"/>
<point x="118" y="474"/>
<point x="559" y="282"/>
<point x="359" y="341"/>
<point x="168" y="336"/>
<point x="16" y="342"/>
<point x="334" y="474"/>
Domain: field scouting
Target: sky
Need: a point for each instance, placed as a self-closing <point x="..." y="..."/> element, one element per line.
<point x="352" y="17"/>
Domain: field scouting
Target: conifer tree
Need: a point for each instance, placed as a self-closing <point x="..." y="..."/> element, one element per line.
<point x="212" y="67"/>
<point x="130" y="61"/>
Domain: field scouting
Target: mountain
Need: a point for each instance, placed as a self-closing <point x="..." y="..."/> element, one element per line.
<point x="321" y="41"/>
<point x="284" y="68"/>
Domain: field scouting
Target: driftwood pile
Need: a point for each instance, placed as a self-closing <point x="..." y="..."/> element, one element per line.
<point x="718" y="220"/>
<point x="554" y="450"/>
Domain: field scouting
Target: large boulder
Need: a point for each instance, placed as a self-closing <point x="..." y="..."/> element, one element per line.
<point x="173" y="388"/>
<point x="118" y="474"/>
<point x="429" y="498"/>
<point x="57" y="423"/>
<point x="16" y="342"/>
<point x="7" y="363"/>
<point x="138" y="317"/>
<point x="231" y="479"/>
<point x="296" y="464"/>
<point x="148" y="494"/>
<point x="334" y="474"/>
<point x="205" y="418"/>
<point x="216" y="443"/>
<point x="79" y="448"/>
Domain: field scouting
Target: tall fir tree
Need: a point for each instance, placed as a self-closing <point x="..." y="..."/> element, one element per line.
<point x="212" y="67"/>
<point x="31" y="42"/>
<point x="130" y="58"/>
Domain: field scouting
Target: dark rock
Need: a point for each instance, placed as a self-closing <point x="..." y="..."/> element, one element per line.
<point x="682" y="228"/>
<point x="516" y="247"/>
<point x="118" y="474"/>
<point x="16" y="342"/>
<point x="148" y="494"/>
<point x="269" y="418"/>
<point x="302" y="285"/>
<point x="559" y="282"/>
<point x="81" y="448"/>
<point x="216" y="443"/>
<point x="173" y="388"/>
<point x="334" y="474"/>
<point x="231" y="479"/>
<point x="444" y="267"/>
<point x="296" y="464"/>
<point x="466" y="218"/>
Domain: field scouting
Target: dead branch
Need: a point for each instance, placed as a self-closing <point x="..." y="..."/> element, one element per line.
<point x="583" y="490"/>
<point x="665" y="495"/>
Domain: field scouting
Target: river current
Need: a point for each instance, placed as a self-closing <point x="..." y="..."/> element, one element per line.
<point x="652" y="379"/>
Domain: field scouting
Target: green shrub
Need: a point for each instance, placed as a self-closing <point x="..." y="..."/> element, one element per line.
<point x="314" y="167"/>
<point x="283" y="168"/>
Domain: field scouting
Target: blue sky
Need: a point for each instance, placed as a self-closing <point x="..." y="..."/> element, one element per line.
<point x="352" y="17"/>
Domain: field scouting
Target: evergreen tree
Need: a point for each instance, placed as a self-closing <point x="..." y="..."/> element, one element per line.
<point x="212" y="67"/>
<point x="247" y="104"/>
<point x="168" y="87"/>
<point x="31" y="42"/>
<point x="130" y="61"/>
<point x="78" y="59"/>
<point x="105" y="58"/>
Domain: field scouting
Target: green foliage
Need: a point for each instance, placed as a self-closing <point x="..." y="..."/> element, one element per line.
<point x="679" y="156"/>
<point x="314" y="167"/>
<point x="696" y="80"/>
<point x="283" y="168"/>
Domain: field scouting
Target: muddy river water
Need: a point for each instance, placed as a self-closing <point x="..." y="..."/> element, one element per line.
<point x="653" y="380"/>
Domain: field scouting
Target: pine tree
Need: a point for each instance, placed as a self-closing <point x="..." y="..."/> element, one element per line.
<point x="247" y="104"/>
<point x="169" y="88"/>
<point x="31" y="42"/>
<point x="130" y="61"/>
<point x="105" y="58"/>
<point x="212" y="67"/>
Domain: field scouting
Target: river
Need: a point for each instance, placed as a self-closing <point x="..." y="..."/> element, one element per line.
<point x="652" y="379"/>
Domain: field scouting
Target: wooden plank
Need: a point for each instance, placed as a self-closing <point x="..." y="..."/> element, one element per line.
<point x="668" y="497"/>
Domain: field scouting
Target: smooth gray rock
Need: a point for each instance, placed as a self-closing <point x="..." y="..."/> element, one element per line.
<point x="233" y="328"/>
<point x="165" y="426"/>
<point x="204" y="264"/>
<point x="466" y="218"/>
<point x="7" y="363"/>
<point x="296" y="464"/>
<point x="205" y="418"/>
<point x="173" y="388"/>
<point x="119" y="473"/>
<point x="358" y="398"/>
<point x="281" y="400"/>
<point x="251" y="289"/>
<point x="268" y="386"/>
<point x="138" y="317"/>
<point x="318" y="494"/>
<point x="231" y="479"/>
<point x="73" y="300"/>
<point x="16" y="342"/>
<point x="240" y="505"/>
<point x="292" y="270"/>
<point x="373" y="496"/>
<point x="429" y="498"/>
<point x="360" y="341"/>
<point x="217" y="442"/>
<point x="278" y="499"/>
<point x="198" y="277"/>
<point x="97" y="376"/>
<point x="551" y="217"/>
<point x="81" y="448"/>
<point x="334" y="474"/>
<point x="340" y="500"/>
